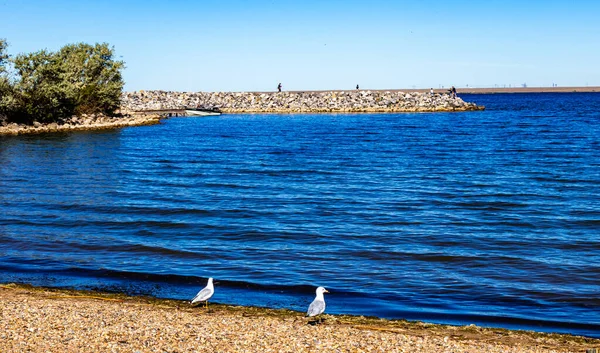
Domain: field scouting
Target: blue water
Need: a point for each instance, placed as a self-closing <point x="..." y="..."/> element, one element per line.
<point x="489" y="217"/>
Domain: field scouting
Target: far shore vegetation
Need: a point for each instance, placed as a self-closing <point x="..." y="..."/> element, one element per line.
<point x="48" y="87"/>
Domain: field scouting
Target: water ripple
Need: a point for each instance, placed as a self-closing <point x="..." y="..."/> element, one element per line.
<point x="488" y="217"/>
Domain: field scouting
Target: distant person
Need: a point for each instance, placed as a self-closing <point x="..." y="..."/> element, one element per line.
<point x="431" y="91"/>
<point x="279" y="87"/>
<point x="453" y="91"/>
<point x="357" y="87"/>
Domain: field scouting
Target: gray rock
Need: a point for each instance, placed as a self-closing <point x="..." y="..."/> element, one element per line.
<point x="240" y="102"/>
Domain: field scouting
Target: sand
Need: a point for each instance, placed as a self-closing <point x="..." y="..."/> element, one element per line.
<point x="51" y="320"/>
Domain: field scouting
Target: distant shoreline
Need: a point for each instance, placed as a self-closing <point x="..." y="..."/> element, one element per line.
<point x="493" y="90"/>
<point x="487" y="90"/>
<point x="469" y="90"/>
<point x="529" y="90"/>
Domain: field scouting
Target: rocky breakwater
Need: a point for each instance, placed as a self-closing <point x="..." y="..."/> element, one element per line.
<point x="79" y="123"/>
<point x="296" y="102"/>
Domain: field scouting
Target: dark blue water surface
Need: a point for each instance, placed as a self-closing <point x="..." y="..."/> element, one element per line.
<point x="489" y="217"/>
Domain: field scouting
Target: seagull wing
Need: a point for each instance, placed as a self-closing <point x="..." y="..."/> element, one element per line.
<point x="316" y="307"/>
<point x="203" y="295"/>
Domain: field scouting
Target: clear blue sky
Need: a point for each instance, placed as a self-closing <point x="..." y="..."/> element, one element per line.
<point x="251" y="45"/>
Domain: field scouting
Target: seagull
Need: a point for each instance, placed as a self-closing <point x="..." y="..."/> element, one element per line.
<point x="205" y="294"/>
<point x="317" y="307"/>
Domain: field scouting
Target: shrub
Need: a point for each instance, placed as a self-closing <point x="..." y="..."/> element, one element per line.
<point x="92" y="76"/>
<point x="53" y="86"/>
<point x="5" y="88"/>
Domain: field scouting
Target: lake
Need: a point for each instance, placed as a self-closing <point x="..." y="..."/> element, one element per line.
<point x="491" y="217"/>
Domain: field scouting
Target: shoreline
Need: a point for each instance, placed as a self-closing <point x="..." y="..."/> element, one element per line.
<point x="480" y="90"/>
<point x="157" y="105"/>
<point x="149" y="107"/>
<point x="85" y="123"/>
<point x="497" y="90"/>
<point x="40" y="319"/>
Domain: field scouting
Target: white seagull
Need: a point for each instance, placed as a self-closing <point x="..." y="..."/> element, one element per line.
<point x="205" y="294"/>
<point x="317" y="307"/>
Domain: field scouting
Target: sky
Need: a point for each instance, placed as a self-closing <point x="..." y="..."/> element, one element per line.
<point x="252" y="45"/>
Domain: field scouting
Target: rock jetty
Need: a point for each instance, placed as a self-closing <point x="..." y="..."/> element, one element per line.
<point x="296" y="102"/>
<point x="146" y="107"/>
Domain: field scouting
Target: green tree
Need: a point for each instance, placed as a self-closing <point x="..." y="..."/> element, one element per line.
<point x="93" y="78"/>
<point x="6" y="97"/>
<point x="53" y="86"/>
<point x="3" y="55"/>
<point x="39" y="92"/>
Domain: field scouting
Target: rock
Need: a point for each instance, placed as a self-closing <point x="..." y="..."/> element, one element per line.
<point x="345" y="101"/>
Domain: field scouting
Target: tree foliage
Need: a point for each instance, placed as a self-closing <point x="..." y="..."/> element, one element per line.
<point x="93" y="77"/>
<point x="53" y="86"/>
<point x="3" y="55"/>
<point x="5" y="88"/>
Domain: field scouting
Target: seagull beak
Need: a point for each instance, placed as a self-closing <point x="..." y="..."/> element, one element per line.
<point x="326" y="291"/>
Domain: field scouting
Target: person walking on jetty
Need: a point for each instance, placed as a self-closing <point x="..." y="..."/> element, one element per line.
<point x="279" y="87"/>
<point x="431" y="91"/>
<point x="453" y="92"/>
<point x="357" y="87"/>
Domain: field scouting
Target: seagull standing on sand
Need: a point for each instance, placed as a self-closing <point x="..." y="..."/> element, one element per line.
<point x="317" y="307"/>
<point x="205" y="294"/>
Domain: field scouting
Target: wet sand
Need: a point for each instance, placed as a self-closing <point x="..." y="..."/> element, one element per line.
<point x="51" y="320"/>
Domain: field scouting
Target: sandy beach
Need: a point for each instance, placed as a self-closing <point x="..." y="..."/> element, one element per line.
<point x="52" y="320"/>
